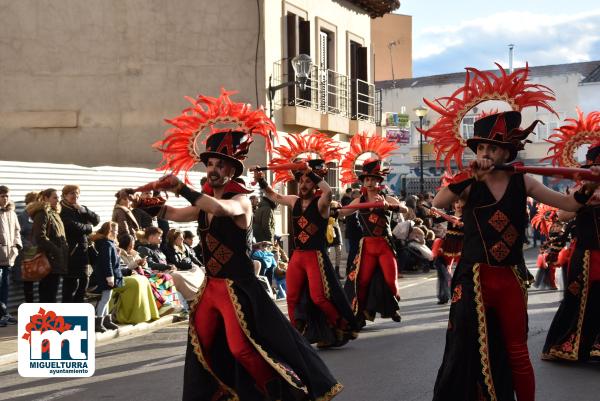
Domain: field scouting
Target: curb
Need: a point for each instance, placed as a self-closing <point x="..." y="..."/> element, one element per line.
<point x="103" y="338"/>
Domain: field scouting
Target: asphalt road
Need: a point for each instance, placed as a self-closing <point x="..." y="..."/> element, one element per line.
<point x="389" y="362"/>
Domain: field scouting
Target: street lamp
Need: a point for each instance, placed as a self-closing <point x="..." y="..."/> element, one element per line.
<point x="421" y="112"/>
<point x="301" y="64"/>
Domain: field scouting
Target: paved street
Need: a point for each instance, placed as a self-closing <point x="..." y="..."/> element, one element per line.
<point x="389" y="362"/>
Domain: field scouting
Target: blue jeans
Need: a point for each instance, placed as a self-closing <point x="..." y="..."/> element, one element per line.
<point x="4" y="272"/>
<point x="281" y="287"/>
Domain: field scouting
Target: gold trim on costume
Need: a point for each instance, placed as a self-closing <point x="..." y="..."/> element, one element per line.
<point x="336" y="389"/>
<point x="198" y="349"/>
<point x="355" y="272"/>
<point x="323" y="276"/>
<point x="574" y="354"/>
<point x="483" y="336"/>
<point x="242" y="322"/>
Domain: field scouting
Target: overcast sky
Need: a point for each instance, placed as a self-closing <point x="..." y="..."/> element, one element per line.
<point x="449" y="35"/>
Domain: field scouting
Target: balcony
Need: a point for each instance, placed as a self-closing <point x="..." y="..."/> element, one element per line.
<point x="331" y="102"/>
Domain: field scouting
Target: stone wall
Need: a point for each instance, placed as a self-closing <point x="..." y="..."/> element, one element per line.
<point x="90" y="82"/>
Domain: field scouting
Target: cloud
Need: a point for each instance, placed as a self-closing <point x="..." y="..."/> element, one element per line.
<point x="539" y="39"/>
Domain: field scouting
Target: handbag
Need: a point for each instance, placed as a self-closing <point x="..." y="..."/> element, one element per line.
<point x="35" y="265"/>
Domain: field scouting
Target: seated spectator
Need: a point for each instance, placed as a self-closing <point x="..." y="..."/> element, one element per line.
<point x="122" y="213"/>
<point x="281" y="269"/>
<point x="189" y="275"/>
<point x="106" y="272"/>
<point x="188" y="239"/>
<point x="133" y="302"/>
<point x="141" y="216"/>
<point x="262" y="252"/>
<point x="158" y="271"/>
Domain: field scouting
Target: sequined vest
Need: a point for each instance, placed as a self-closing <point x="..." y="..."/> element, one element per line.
<point x="308" y="225"/>
<point x="225" y="247"/>
<point x="587" y="226"/>
<point x="494" y="230"/>
<point x="376" y="222"/>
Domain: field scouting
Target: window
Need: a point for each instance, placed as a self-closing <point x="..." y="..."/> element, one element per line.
<point x="358" y="79"/>
<point x="333" y="179"/>
<point x="297" y="42"/>
<point x="467" y="127"/>
<point x="551" y="123"/>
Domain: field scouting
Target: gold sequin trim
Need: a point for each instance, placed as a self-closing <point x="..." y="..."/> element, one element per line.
<point x="357" y="260"/>
<point x="484" y="351"/>
<point x="336" y="389"/>
<point x="321" y="263"/>
<point x="574" y="355"/>
<point x="242" y="322"/>
<point x="198" y="349"/>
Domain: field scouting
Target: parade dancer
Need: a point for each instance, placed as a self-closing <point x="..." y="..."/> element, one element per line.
<point x="317" y="306"/>
<point x="574" y="334"/>
<point x="486" y="355"/>
<point x="371" y="283"/>
<point x="240" y="346"/>
<point x="546" y="222"/>
<point x="446" y="252"/>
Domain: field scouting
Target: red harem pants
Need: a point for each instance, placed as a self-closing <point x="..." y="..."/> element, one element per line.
<point x="302" y="266"/>
<point x="376" y="252"/>
<point x="501" y="291"/>
<point x="215" y="308"/>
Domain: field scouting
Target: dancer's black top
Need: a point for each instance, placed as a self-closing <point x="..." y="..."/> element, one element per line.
<point x="494" y="229"/>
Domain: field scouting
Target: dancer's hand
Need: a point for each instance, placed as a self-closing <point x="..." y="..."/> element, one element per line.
<point x="481" y="167"/>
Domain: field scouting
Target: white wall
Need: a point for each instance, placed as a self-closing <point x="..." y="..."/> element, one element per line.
<point x="566" y="87"/>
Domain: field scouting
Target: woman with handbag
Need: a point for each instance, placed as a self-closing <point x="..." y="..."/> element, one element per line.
<point x="26" y="223"/>
<point x="107" y="272"/>
<point x="49" y="236"/>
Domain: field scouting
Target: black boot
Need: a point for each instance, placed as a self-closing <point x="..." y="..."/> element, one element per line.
<point x="108" y="323"/>
<point x="99" y="327"/>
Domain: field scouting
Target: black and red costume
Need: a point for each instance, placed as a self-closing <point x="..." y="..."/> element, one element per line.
<point x="316" y="302"/>
<point x="240" y="346"/>
<point x="453" y="244"/>
<point x="486" y="355"/>
<point x="548" y="259"/>
<point x="238" y="338"/>
<point x="449" y="256"/>
<point x="371" y="283"/>
<point x="574" y="334"/>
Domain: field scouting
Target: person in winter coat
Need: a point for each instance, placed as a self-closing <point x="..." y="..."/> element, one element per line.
<point x="79" y="222"/>
<point x="10" y="244"/>
<point x="49" y="235"/>
<point x="263" y="223"/>
<point x="26" y="223"/>
<point x="157" y="262"/>
<point x="189" y="275"/>
<point x="123" y="215"/>
<point x="107" y="272"/>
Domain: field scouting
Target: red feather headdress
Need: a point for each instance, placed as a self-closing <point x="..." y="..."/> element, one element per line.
<point x="314" y="145"/>
<point x="361" y="144"/>
<point x="181" y="146"/>
<point x="479" y="87"/>
<point x="569" y="137"/>
<point x="544" y="218"/>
